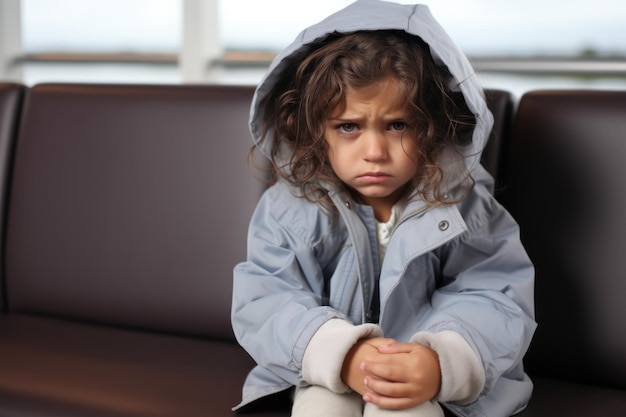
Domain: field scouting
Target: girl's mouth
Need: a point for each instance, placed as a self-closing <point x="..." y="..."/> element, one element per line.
<point x="374" y="177"/>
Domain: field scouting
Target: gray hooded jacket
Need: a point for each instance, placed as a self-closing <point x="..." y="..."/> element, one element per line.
<point x="453" y="267"/>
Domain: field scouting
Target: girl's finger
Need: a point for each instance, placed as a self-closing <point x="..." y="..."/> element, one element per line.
<point x="384" y="371"/>
<point x="386" y="388"/>
<point x="396" y="348"/>
<point x="387" y="402"/>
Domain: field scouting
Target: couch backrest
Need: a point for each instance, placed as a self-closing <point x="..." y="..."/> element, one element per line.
<point x="130" y="205"/>
<point x="500" y="102"/>
<point x="10" y="101"/>
<point x="567" y="189"/>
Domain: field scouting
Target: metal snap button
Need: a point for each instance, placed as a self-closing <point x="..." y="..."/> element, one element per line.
<point x="444" y="225"/>
<point x="348" y="205"/>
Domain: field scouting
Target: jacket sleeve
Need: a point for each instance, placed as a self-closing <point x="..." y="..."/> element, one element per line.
<point x="486" y="294"/>
<point x="277" y="292"/>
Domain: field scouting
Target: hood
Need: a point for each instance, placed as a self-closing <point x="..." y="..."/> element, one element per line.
<point x="381" y="15"/>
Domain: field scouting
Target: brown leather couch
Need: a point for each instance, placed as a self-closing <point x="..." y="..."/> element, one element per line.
<point x="124" y="209"/>
<point x="565" y="182"/>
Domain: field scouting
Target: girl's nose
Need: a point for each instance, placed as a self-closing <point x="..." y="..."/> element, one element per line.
<point x="375" y="147"/>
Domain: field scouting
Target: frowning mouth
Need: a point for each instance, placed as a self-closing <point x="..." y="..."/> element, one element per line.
<point x="374" y="177"/>
<point x="374" y="174"/>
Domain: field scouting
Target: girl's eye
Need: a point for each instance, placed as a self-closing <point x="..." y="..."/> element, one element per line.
<point x="398" y="125"/>
<point x="347" y="128"/>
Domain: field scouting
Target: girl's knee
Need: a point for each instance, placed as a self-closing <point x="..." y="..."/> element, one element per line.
<point x="427" y="409"/>
<point x="316" y="401"/>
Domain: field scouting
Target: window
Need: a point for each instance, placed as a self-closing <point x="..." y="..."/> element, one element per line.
<point x="109" y="26"/>
<point x="101" y="40"/>
<point x="481" y="27"/>
<point x="514" y="45"/>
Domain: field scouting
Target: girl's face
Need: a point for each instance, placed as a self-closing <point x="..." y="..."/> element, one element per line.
<point x="371" y="147"/>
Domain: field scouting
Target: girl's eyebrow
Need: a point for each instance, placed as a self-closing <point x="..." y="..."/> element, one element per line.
<point x="342" y="119"/>
<point x="355" y="120"/>
<point x="399" y="116"/>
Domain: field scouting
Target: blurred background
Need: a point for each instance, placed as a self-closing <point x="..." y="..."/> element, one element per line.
<point x="517" y="46"/>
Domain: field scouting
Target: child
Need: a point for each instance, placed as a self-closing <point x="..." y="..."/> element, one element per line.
<point x="382" y="277"/>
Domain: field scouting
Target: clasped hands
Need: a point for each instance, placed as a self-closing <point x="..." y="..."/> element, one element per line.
<point x="392" y="375"/>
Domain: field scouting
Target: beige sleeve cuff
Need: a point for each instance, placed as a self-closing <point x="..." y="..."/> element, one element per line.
<point x="324" y="356"/>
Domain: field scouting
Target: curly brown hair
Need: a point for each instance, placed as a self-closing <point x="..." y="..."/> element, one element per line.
<point x="313" y="86"/>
